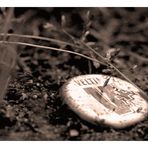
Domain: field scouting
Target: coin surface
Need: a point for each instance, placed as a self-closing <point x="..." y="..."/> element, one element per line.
<point x="101" y="99"/>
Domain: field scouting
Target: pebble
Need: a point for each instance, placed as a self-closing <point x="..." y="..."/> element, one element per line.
<point x="45" y="97"/>
<point x="37" y="84"/>
<point x="30" y="82"/>
<point x="73" y="133"/>
<point x="35" y="96"/>
<point x="24" y="96"/>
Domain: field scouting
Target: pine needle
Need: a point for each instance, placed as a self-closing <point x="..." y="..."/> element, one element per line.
<point x="41" y="38"/>
<point x="51" y="48"/>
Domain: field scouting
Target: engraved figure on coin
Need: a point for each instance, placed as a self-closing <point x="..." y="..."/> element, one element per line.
<point x="118" y="101"/>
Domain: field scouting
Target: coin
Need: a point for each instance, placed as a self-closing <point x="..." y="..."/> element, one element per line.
<point x="102" y="99"/>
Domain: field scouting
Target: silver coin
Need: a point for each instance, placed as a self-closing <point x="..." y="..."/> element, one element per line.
<point x="101" y="99"/>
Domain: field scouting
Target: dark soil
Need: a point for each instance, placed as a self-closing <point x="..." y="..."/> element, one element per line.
<point x="32" y="108"/>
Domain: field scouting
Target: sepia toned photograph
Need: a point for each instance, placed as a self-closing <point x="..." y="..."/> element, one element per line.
<point x="73" y="74"/>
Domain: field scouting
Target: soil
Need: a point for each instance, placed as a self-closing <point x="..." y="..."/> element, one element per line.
<point x="32" y="108"/>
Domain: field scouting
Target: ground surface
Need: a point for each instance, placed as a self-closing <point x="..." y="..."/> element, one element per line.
<point x="33" y="108"/>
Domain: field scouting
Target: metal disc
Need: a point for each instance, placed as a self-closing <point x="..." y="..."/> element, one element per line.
<point x="101" y="99"/>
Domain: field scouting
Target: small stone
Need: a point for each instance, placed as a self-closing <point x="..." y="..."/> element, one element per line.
<point x="30" y="82"/>
<point x="35" y="96"/>
<point x="73" y="133"/>
<point x="25" y="120"/>
<point x="37" y="84"/>
<point x="45" y="97"/>
<point x="24" y="96"/>
<point x="84" y="127"/>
